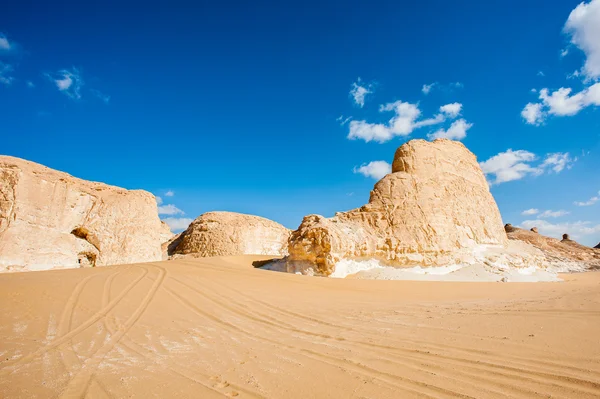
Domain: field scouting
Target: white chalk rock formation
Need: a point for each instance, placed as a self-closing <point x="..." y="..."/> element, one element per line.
<point x="434" y="209"/>
<point x="229" y="233"/>
<point x="50" y="219"/>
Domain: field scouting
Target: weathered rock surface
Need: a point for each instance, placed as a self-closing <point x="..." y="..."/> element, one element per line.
<point x="567" y="252"/>
<point x="434" y="208"/>
<point x="597" y="246"/>
<point x="50" y="219"/>
<point x="229" y="233"/>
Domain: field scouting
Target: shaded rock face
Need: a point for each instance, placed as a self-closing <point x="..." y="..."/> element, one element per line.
<point x="565" y="251"/>
<point x="229" y="233"/>
<point x="49" y="219"/>
<point x="597" y="246"/>
<point x="435" y="204"/>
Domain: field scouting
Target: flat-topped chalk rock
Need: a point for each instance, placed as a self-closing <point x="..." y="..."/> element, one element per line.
<point x="432" y="209"/>
<point x="50" y="219"/>
<point x="230" y="233"/>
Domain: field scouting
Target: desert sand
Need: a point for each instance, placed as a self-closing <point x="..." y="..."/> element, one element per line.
<point x="215" y="327"/>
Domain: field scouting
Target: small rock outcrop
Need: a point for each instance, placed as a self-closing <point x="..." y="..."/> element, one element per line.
<point x="565" y="251"/>
<point x="50" y="219"/>
<point x="433" y="209"/>
<point x="228" y="234"/>
<point x="534" y="230"/>
<point x="597" y="246"/>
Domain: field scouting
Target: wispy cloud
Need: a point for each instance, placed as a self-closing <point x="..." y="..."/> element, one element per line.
<point x="68" y="81"/>
<point x="515" y="165"/>
<point x="553" y="214"/>
<point x="343" y="120"/>
<point x="5" y="74"/>
<point x="30" y="84"/>
<point x="427" y="88"/>
<point x="170" y="193"/>
<point x="529" y="212"/>
<point x="359" y="92"/>
<point x="104" y="97"/>
<point x="169" y="210"/>
<point x="178" y="224"/>
<point x="589" y="202"/>
<point x="6" y="45"/>
<point x="375" y="169"/>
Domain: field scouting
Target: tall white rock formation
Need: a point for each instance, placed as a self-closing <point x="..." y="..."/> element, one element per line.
<point x="50" y="219"/>
<point x="435" y="208"/>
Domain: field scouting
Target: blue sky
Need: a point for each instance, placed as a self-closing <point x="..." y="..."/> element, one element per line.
<point x="284" y="109"/>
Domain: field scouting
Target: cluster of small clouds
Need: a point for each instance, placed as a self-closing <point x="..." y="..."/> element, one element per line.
<point x="6" y="70"/>
<point x="406" y="119"/>
<point x="66" y="81"/>
<point x="545" y="214"/>
<point x="515" y="165"/>
<point x="560" y="103"/>
<point x="170" y="210"/>
<point x="583" y="29"/>
<point x="576" y="229"/>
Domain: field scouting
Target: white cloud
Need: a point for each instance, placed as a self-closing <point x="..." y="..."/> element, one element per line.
<point x="5" y="44"/>
<point x="30" y="84"/>
<point x="170" y="193"/>
<point x="583" y="27"/>
<point x="451" y="110"/>
<point x="104" y="97"/>
<point x="541" y="73"/>
<point x="178" y="224"/>
<point x="402" y="123"/>
<point x="68" y="82"/>
<point x="427" y="88"/>
<point x="159" y="200"/>
<point x="589" y="202"/>
<point x="561" y="103"/>
<point x="515" y="165"/>
<point x="510" y="165"/>
<point x="456" y="131"/>
<point x="564" y="52"/>
<point x="375" y="169"/>
<point x="532" y="113"/>
<point x="5" y="71"/>
<point x="532" y="211"/>
<point x="169" y="210"/>
<point x="553" y="214"/>
<point x="558" y="161"/>
<point x="359" y="92"/>
<point x="574" y="229"/>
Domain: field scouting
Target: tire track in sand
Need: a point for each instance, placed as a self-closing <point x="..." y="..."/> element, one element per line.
<point x="17" y="364"/>
<point x="398" y="382"/>
<point x="484" y="368"/>
<point x="78" y="385"/>
<point x="151" y="355"/>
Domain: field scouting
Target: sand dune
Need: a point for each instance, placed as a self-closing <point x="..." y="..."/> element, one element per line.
<point x="215" y="327"/>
